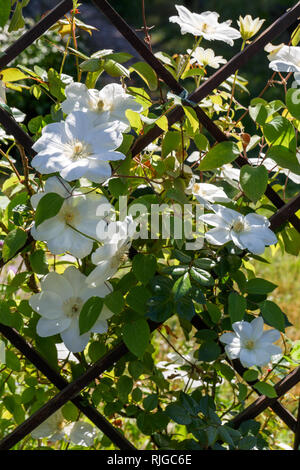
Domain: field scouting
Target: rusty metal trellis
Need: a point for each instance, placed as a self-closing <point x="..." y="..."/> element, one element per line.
<point x="286" y="212"/>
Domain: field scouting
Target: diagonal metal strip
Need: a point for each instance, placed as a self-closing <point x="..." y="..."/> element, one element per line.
<point x="39" y="362"/>
<point x="35" y="32"/>
<point x="215" y="80"/>
<point x="263" y="402"/>
<point x="282" y="412"/>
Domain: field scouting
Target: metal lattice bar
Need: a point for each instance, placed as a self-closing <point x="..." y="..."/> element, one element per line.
<point x="56" y="379"/>
<point x="259" y="405"/>
<point x="35" y="32"/>
<point x="284" y="414"/>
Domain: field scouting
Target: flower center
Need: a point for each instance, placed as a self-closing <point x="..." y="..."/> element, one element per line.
<point x="100" y="105"/>
<point x="250" y="344"/>
<point x="238" y="226"/>
<point x="72" y="307"/>
<point x="69" y="214"/>
<point x="206" y="28"/>
<point x="80" y="150"/>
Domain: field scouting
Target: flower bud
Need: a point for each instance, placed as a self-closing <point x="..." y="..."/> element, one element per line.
<point x="249" y="27"/>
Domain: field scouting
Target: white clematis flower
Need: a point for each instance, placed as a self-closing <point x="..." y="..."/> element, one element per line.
<point x="76" y="148"/>
<point x="108" y="257"/>
<point x="205" y="25"/>
<point x="250" y="232"/>
<point x="206" y="57"/>
<point x="285" y="58"/>
<point x="249" y="26"/>
<point x="57" y="429"/>
<point x="250" y="343"/>
<point x="206" y="193"/>
<point x="77" y="217"/>
<point x="106" y="105"/>
<point x="60" y="304"/>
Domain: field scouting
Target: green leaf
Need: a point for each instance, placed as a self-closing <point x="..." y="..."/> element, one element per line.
<point x="136" y="336"/>
<point x="293" y="101"/>
<point x="171" y="142"/>
<point x="115" y="70"/>
<point x="280" y="131"/>
<point x="273" y="315"/>
<point x="182" y="286"/>
<point x="266" y="389"/>
<point x="137" y="299"/>
<point x="222" y="153"/>
<point x="178" y="414"/>
<point x="96" y="350"/>
<point x="250" y="375"/>
<point x="4" y="12"/>
<point x="38" y="262"/>
<point x="89" y="314"/>
<point x="236" y="307"/>
<point x="201" y="142"/>
<point x="46" y="347"/>
<point x="284" y="158"/>
<point x="124" y="387"/>
<point x="259" y="286"/>
<point x="13" y="242"/>
<point x="12" y="75"/>
<point x="35" y="124"/>
<point x="209" y="351"/>
<point x="191" y="117"/>
<point x="150" y="402"/>
<point x="56" y="86"/>
<point x="12" y="361"/>
<point x="254" y="181"/>
<point x="48" y="207"/>
<point x="291" y="239"/>
<point x="214" y="312"/>
<point x="258" y="113"/>
<point x="163" y="123"/>
<point x="185" y="308"/>
<point x="296" y="36"/>
<point x="144" y="267"/>
<point x="17" y="21"/>
<point x="70" y="411"/>
<point x="202" y="277"/>
<point x="91" y="65"/>
<point x="115" y="301"/>
<point x="146" y="73"/>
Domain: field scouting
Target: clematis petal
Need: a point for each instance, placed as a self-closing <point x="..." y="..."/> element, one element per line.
<point x="82" y="434"/>
<point x="252" y="243"/>
<point x="56" y="283"/>
<point x="47" y="304"/>
<point x="257" y="326"/>
<point x="270" y="336"/>
<point x="46" y="327"/>
<point x="248" y="358"/>
<point x="242" y="329"/>
<point x="218" y="236"/>
<point x="232" y="353"/>
<point x="72" y="338"/>
<point x="228" y="338"/>
<point x="100" y="326"/>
